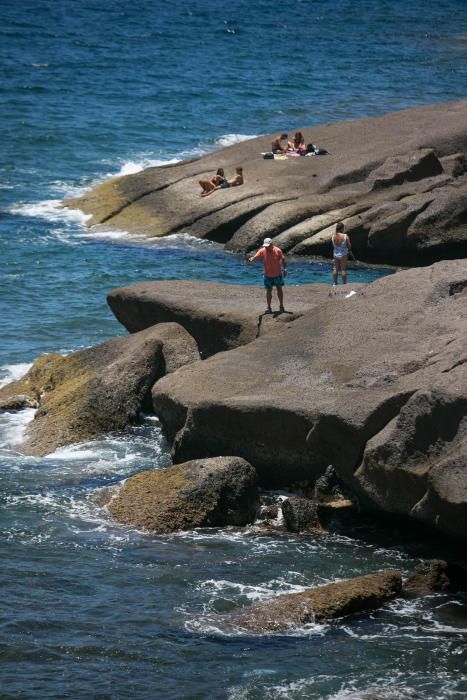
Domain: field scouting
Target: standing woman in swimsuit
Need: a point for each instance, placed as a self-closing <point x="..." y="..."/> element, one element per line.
<point x="341" y="249"/>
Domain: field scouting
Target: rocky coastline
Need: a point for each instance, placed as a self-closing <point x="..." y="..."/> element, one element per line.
<point x="398" y="182"/>
<point x="354" y="403"/>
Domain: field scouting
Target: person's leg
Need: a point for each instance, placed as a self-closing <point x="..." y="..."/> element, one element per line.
<point x="335" y="270"/>
<point x="269" y="297"/>
<point x="344" y="262"/>
<point x="280" y="296"/>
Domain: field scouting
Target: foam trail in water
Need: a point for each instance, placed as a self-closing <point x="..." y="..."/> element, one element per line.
<point x="10" y="373"/>
<point x="12" y="427"/>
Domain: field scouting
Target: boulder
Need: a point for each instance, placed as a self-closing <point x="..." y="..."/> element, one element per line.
<point x="435" y="576"/>
<point x="369" y="162"/>
<point x="301" y="515"/>
<point x="92" y="392"/>
<point x="334" y="600"/>
<point x="205" y="492"/>
<point x="374" y="384"/>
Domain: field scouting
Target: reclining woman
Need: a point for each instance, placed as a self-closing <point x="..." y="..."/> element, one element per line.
<point x="217" y="179"/>
<point x="234" y="182"/>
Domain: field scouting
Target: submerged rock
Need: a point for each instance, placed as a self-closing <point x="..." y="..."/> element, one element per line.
<point x="215" y="492"/>
<point x="398" y="182"/>
<point x="320" y="604"/>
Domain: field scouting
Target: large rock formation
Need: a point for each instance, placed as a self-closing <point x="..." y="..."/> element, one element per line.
<point x="294" y="610"/>
<point x="374" y="384"/>
<point x="94" y="391"/>
<point x="219" y="491"/>
<point x="398" y="181"/>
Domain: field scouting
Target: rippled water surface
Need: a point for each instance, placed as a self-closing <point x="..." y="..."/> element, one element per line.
<point x="90" y="89"/>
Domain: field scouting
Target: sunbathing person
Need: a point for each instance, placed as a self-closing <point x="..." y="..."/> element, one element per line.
<point x="298" y="144"/>
<point x="216" y="180"/>
<point x="234" y="182"/>
<point x="280" y="144"/>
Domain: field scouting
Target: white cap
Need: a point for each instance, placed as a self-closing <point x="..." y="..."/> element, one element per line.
<point x="267" y="242"/>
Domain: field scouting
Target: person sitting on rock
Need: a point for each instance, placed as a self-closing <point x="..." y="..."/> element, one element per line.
<point x="234" y="182"/>
<point x="273" y="258"/>
<point x="341" y="249"/>
<point x="280" y="144"/>
<point x="217" y="179"/>
<point x="298" y="144"/>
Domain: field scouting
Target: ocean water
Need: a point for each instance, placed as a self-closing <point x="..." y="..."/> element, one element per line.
<point x="91" y="89"/>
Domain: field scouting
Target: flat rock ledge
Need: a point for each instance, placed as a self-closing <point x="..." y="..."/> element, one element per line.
<point x="95" y="391"/>
<point x="205" y="492"/>
<point x="294" y="610"/>
<point x="218" y="316"/>
<point x="398" y="182"/>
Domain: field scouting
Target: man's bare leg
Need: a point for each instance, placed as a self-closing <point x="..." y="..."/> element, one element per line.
<point x="269" y="298"/>
<point x="280" y="296"/>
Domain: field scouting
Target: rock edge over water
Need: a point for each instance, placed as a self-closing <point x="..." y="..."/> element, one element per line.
<point x="399" y="183"/>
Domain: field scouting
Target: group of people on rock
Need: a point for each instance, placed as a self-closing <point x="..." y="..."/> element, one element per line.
<point x="281" y="144"/>
<point x="220" y="182"/>
<point x="275" y="265"/>
<point x="274" y="262"/>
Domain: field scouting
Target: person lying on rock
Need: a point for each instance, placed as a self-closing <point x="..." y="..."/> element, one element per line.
<point x="234" y="182"/>
<point x="280" y="144"/>
<point x="341" y="249"/>
<point x="216" y="180"/>
<point x="275" y="270"/>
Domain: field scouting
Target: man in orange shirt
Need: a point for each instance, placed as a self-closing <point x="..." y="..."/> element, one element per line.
<point x="275" y="269"/>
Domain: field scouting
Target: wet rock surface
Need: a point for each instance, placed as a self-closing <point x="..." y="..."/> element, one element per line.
<point x="207" y="492"/>
<point x="435" y="576"/>
<point x="398" y="182"/>
<point x="334" y="600"/>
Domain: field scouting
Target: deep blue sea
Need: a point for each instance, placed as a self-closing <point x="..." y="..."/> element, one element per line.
<point x="90" y="89"/>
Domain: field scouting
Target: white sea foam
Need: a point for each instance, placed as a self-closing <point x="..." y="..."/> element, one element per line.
<point x="135" y="166"/>
<point x="232" y="139"/>
<point x="50" y="210"/>
<point x="9" y="373"/>
<point x="12" y="427"/>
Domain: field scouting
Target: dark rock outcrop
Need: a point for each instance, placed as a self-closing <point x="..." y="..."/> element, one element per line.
<point x="374" y="384"/>
<point x="301" y="514"/>
<point x="95" y="391"/>
<point x="435" y="576"/>
<point x="220" y="491"/>
<point x="398" y="182"/>
<point x="328" y="602"/>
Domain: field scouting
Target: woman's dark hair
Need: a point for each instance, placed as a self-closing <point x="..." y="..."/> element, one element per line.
<point x="340" y="227"/>
<point x="220" y="171"/>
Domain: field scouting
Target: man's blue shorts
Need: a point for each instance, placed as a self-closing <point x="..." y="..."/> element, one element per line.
<point x="270" y="282"/>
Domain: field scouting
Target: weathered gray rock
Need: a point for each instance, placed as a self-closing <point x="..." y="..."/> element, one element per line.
<point x="218" y="316"/>
<point x="220" y="491"/>
<point x="436" y="576"/>
<point x="328" y="602"/>
<point x="91" y="392"/>
<point x="371" y="162"/>
<point x="374" y="384"/>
